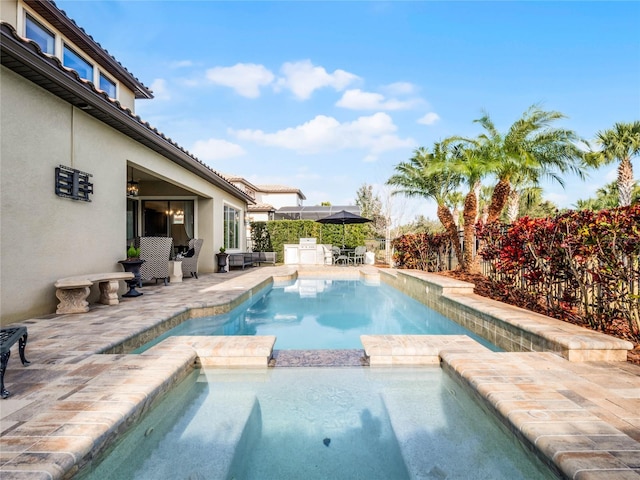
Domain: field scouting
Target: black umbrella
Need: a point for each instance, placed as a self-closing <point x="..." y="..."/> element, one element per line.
<point x="343" y="218"/>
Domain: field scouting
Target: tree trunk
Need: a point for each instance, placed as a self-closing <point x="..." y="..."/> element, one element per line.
<point x="445" y="217"/>
<point x="625" y="182"/>
<point x="485" y="214"/>
<point x="469" y="215"/>
<point x="456" y="217"/>
<point x="498" y="200"/>
<point x="513" y="206"/>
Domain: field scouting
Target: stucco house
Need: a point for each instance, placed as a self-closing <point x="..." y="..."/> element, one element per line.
<point x="268" y="198"/>
<point x="81" y="175"/>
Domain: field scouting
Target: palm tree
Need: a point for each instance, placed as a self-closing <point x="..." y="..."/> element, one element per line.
<point x="607" y="197"/>
<point x="530" y="149"/>
<point x="454" y="200"/>
<point x="467" y="160"/>
<point x="418" y="178"/>
<point x="484" y="199"/>
<point x="619" y="143"/>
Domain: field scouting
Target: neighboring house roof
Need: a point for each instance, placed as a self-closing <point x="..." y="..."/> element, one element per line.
<point x="24" y="57"/>
<point x="315" y="212"/>
<point x="236" y="179"/>
<point x="59" y="20"/>
<point x="279" y="189"/>
<point x="261" y="207"/>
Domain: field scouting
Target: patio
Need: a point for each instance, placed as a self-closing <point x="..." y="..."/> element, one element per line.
<point x="73" y="401"/>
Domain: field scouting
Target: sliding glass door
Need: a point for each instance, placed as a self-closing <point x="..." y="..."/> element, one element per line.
<point x="169" y="218"/>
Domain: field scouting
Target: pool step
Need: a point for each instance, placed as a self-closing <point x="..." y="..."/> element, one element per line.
<point x="223" y="351"/>
<point x="413" y="349"/>
<point x="432" y="449"/>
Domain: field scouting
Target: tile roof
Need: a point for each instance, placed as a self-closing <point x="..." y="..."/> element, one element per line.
<point x="261" y="207"/>
<point x="67" y="26"/>
<point x="279" y="189"/>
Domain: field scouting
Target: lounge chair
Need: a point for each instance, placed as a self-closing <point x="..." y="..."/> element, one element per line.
<point x="190" y="263"/>
<point x="156" y="252"/>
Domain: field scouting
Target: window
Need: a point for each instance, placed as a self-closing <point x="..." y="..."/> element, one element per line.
<point x="35" y="31"/>
<point x="71" y="59"/>
<point x="107" y="86"/>
<point x="132" y="220"/>
<point x="231" y="227"/>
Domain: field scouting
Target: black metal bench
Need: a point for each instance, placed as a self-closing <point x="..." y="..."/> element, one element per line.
<point x="9" y="336"/>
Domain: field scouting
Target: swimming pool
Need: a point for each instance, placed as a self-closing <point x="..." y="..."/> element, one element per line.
<point x="319" y="423"/>
<point x="320" y="313"/>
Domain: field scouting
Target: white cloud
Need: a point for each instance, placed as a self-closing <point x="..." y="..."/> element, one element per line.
<point x="375" y="134"/>
<point x="611" y="175"/>
<point x="400" y="88"/>
<point x="181" y="64"/>
<point x="216" y="149"/>
<point x="429" y="119"/>
<point x="303" y="78"/>
<point x="560" y="199"/>
<point x="245" y="78"/>
<point x="160" y="90"/>
<point x="356" y="99"/>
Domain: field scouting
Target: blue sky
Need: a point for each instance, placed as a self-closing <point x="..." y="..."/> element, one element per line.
<point x="327" y="96"/>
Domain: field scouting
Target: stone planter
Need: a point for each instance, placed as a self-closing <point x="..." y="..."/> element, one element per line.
<point x="222" y="262"/>
<point x="132" y="265"/>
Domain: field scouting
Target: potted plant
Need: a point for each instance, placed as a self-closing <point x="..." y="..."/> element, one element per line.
<point x="132" y="264"/>
<point x="222" y="260"/>
<point x="133" y="253"/>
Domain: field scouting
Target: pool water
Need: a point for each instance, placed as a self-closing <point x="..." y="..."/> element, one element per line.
<point x="311" y="314"/>
<point x="319" y="423"/>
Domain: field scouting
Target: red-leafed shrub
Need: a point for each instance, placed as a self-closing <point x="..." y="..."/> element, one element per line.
<point x="582" y="265"/>
<point x="423" y="251"/>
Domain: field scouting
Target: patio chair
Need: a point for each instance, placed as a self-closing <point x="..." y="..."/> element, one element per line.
<point x="327" y="254"/>
<point x="358" y="255"/>
<point x="190" y="263"/>
<point x="156" y="252"/>
<point x="338" y="257"/>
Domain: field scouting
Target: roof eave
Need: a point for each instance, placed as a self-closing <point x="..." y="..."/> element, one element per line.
<point x="58" y="18"/>
<point x="41" y="70"/>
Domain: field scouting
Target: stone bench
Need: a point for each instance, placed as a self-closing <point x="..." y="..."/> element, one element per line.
<point x="73" y="291"/>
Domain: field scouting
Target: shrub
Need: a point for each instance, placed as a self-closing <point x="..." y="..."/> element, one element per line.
<point x="581" y="265"/>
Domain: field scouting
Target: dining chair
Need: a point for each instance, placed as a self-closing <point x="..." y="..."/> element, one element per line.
<point x="358" y="255"/>
<point x="338" y="257"/>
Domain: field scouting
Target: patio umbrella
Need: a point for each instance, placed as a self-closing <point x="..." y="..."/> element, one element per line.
<point x="343" y="218"/>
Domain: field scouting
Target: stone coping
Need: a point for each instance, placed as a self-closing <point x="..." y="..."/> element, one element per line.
<point x="531" y="331"/>
<point x="217" y="351"/>
<point x="536" y="397"/>
<point x="557" y="410"/>
<point x="413" y="349"/>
